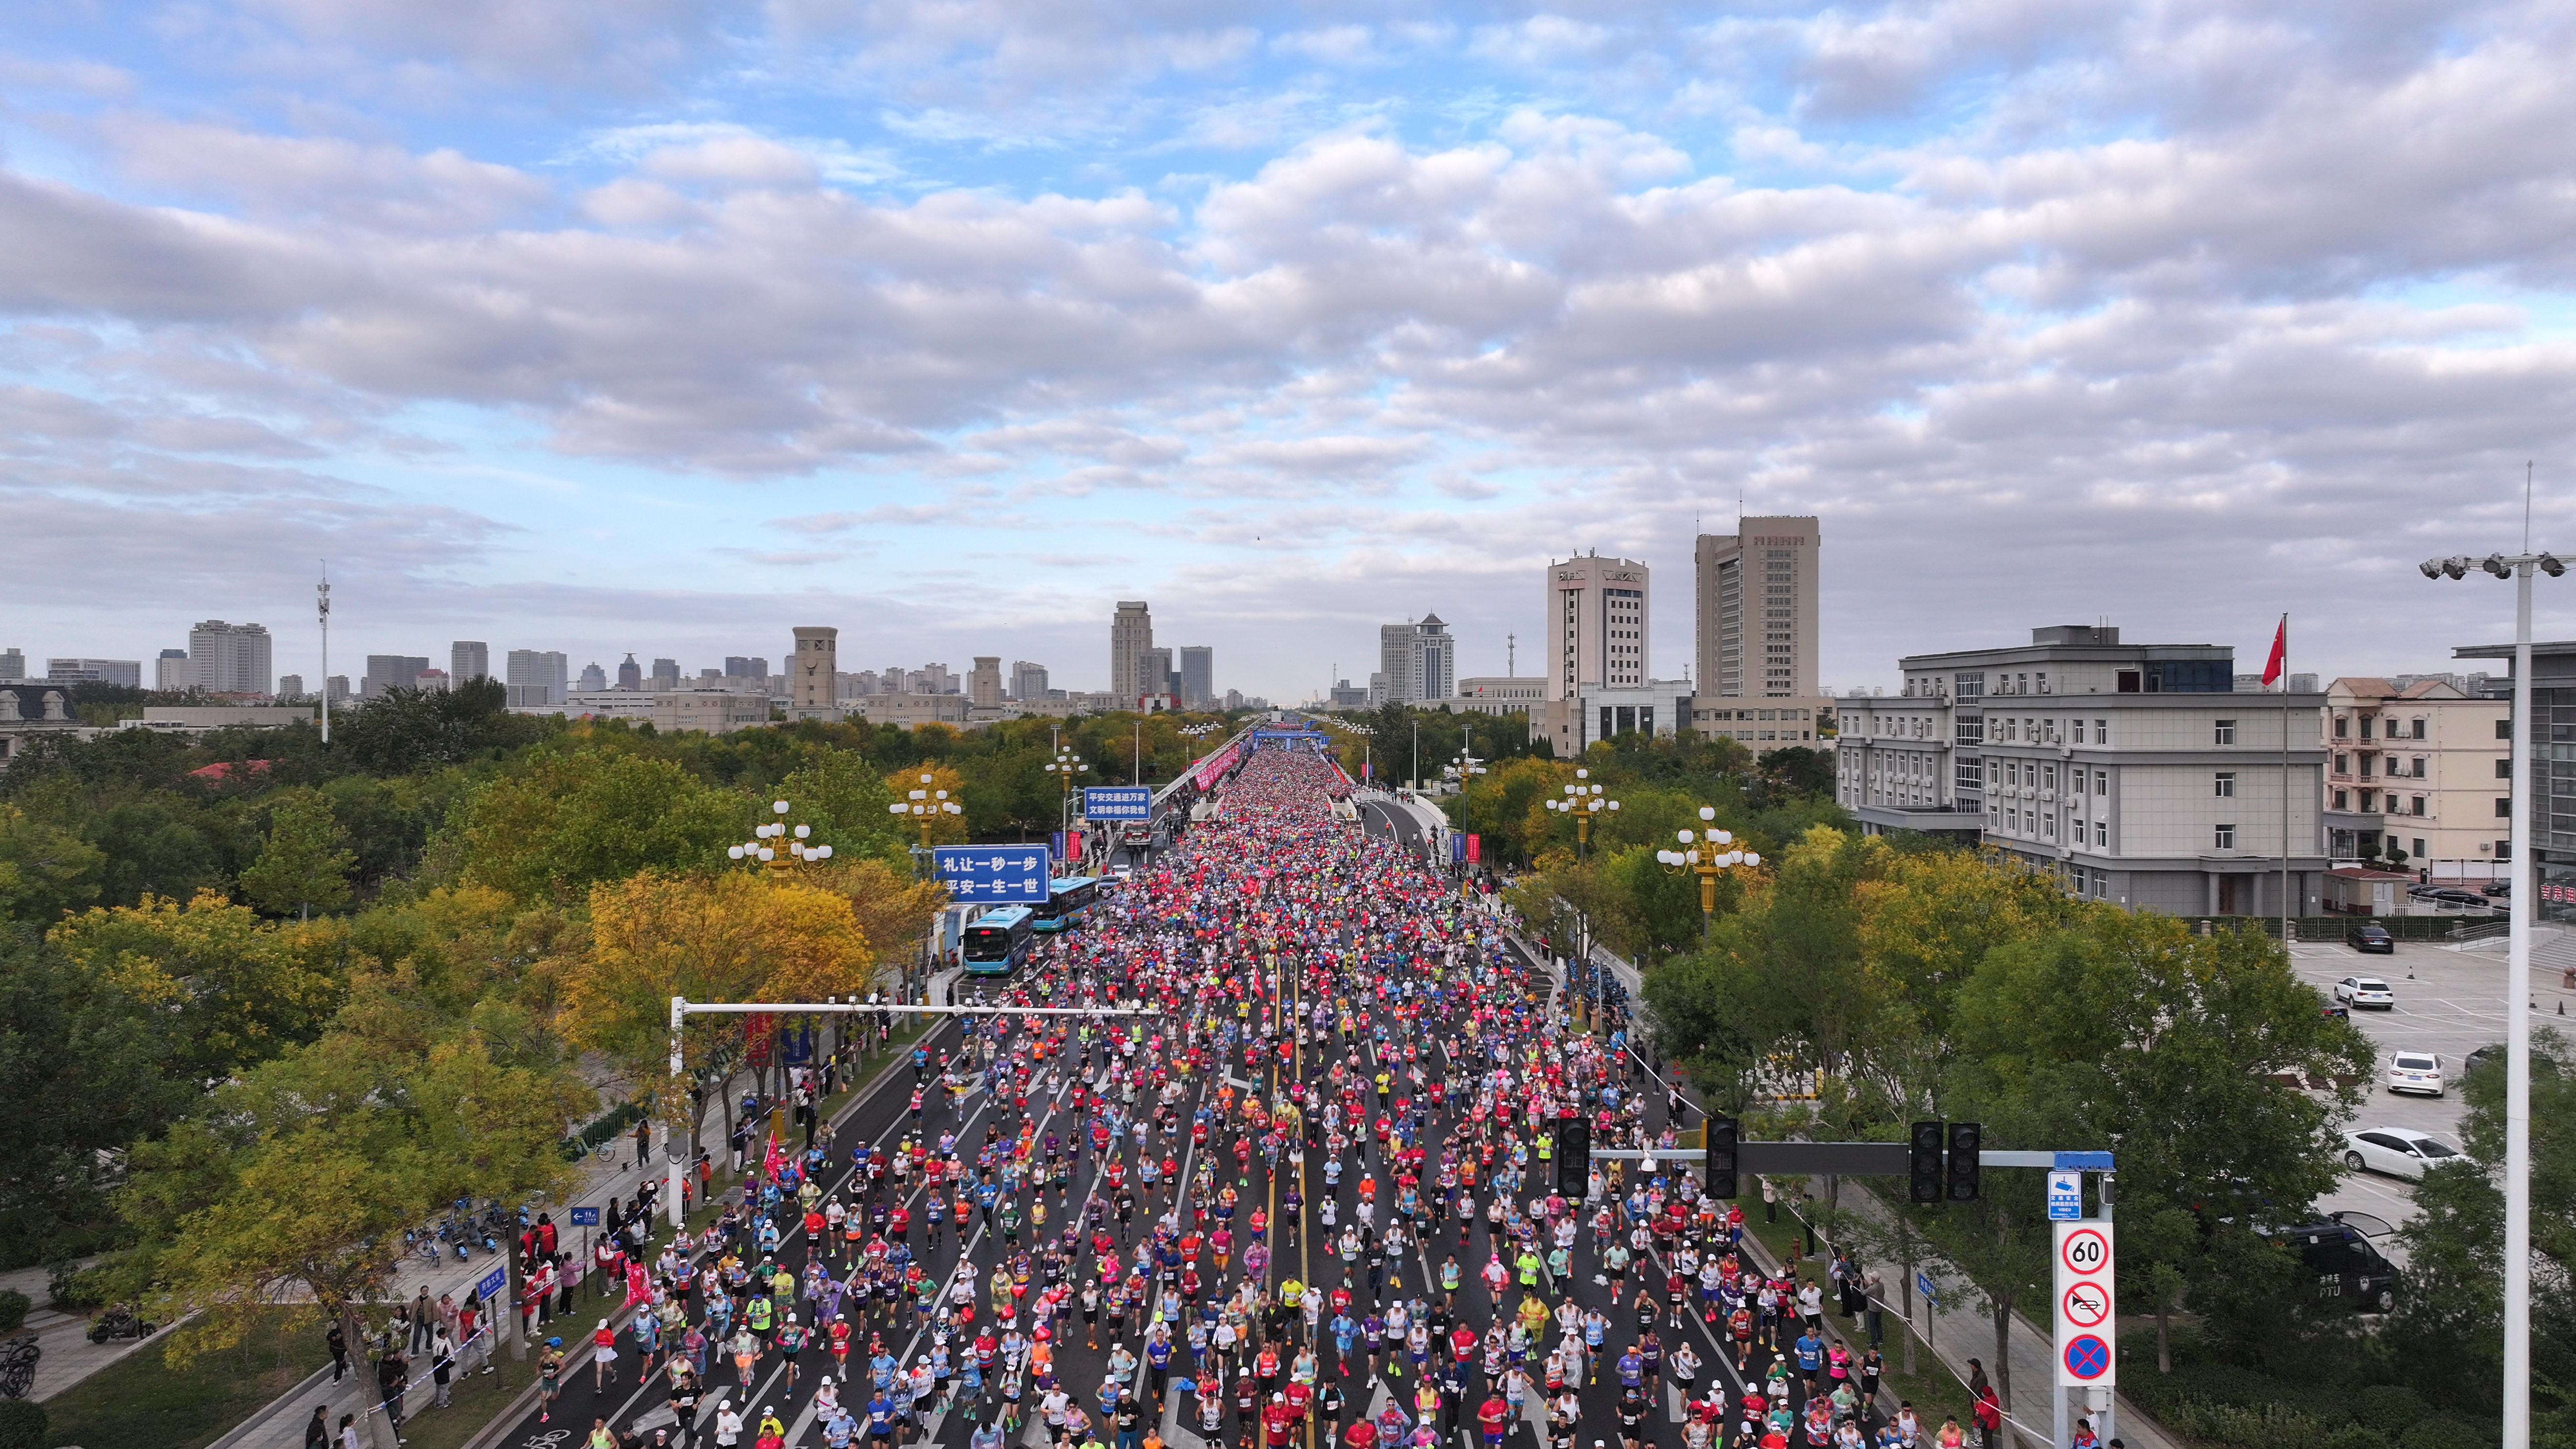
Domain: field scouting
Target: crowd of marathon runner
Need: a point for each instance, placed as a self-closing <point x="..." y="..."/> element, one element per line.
<point x="1308" y="1190"/>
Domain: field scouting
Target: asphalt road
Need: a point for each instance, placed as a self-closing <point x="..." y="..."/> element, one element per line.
<point x="1301" y="1247"/>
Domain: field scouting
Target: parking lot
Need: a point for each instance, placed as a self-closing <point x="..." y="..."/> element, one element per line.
<point x="2450" y="1002"/>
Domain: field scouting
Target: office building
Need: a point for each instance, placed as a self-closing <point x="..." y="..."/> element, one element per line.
<point x="434" y="681"/>
<point x="391" y="671"/>
<point x="1757" y="609"/>
<point x="630" y="675"/>
<point x="1417" y="662"/>
<point x="1131" y="633"/>
<point x="1028" y="681"/>
<point x="290" y="686"/>
<point x="2422" y="768"/>
<point x="13" y="662"/>
<point x="128" y="672"/>
<point x="2553" y="781"/>
<point x="1198" y="676"/>
<point x="469" y="659"/>
<point x="2133" y="773"/>
<point x="984" y="681"/>
<point x="1599" y="626"/>
<point x="1346" y="695"/>
<point x="1155" y="675"/>
<point x="538" y="676"/>
<point x="170" y="671"/>
<point x="813" y="674"/>
<point x="593" y="679"/>
<point x="746" y="666"/>
<point x="336" y="688"/>
<point x="665" y="676"/>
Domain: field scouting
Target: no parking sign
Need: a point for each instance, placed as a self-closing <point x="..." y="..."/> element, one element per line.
<point x="2085" y="1337"/>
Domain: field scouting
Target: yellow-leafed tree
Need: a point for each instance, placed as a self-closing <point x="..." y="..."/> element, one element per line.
<point x="945" y="828"/>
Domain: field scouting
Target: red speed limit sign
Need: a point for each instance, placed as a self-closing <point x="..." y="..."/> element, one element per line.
<point x="2084" y="1251"/>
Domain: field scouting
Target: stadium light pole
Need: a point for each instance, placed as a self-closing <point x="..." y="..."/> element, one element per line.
<point x="2521" y="902"/>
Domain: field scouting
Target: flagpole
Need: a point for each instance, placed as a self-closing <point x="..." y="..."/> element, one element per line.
<point x="2285" y="784"/>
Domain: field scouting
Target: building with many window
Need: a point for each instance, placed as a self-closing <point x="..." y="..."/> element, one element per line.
<point x="2419" y="774"/>
<point x="1598" y="620"/>
<point x="2551" y="757"/>
<point x="2134" y="773"/>
<point x="1757" y="609"/>
<point x="1131" y="634"/>
<point x="1417" y="662"/>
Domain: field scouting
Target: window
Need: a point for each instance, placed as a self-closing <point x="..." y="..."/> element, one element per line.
<point x="2417" y="807"/>
<point x="2126" y="682"/>
<point x="1969" y="774"/>
<point x="2419" y="727"/>
<point x="2504" y="769"/>
<point x="2365" y="726"/>
<point x="2343" y="799"/>
<point x="2418" y="770"/>
<point x="2225" y="732"/>
<point x="2365" y="765"/>
<point x="2048" y="777"/>
<point x="2343" y="728"/>
<point x="2504" y="807"/>
<point x="2223" y="784"/>
<point x="2226" y="837"/>
<point x="2101" y="732"/>
<point x="2102" y="833"/>
<point x="2504" y="729"/>
<point x="2419" y="847"/>
<point x="2101" y="782"/>
<point x="2343" y="764"/>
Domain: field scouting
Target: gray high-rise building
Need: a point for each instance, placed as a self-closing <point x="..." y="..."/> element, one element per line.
<point x="13" y="663"/>
<point x="469" y="659"/>
<point x="227" y="658"/>
<point x="1028" y="681"/>
<point x="389" y="671"/>
<point x="1155" y="674"/>
<point x="1757" y="609"/>
<point x="630" y="675"/>
<point x="746" y="666"/>
<point x="814" y="674"/>
<point x="1417" y="661"/>
<point x="1198" y="675"/>
<point x="593" y="677"/>
<point x="1131" y="635"/>
<point x="666" y="675"/>
<point x="170" y="671"/>
<point x="290" y="686"/>
<point x="537" y="677"/>
<point x="1597" y="622"/>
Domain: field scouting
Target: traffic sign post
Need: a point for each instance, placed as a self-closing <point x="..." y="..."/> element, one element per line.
<point x="2065" y="1196"/>
<point x="2087" y="1342"/>
<point x="995" y="875"/>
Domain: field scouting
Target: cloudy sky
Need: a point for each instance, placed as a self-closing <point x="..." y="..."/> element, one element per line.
<point x="653" y="325"/>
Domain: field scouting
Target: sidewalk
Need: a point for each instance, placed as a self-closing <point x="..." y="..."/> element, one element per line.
<point x="68" y="1355"/>
<point x="1960" y="1333"/>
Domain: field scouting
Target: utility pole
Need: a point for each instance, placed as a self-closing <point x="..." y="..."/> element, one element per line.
<point x="322" y="593"/>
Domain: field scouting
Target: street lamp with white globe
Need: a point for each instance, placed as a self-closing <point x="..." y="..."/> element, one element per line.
<point x="1707" y="853"/>
<point x="778" y="845"/>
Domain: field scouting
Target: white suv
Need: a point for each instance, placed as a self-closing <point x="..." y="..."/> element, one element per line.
<point x="2365" y="991"/>
<point x="2415" y="1072"/>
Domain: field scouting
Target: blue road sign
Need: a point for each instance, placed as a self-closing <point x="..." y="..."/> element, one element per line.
<point x="2083" y="1162"/>
<point x="1923" y="1285"/>
<point x="2065" y="1197"/>
<point x="1118" y="802"/>
<point x="995" y="875"/>
<point x="492" y="1284"/>
<point x="2087" y="1356"/>
<point x="585" y="1217"/>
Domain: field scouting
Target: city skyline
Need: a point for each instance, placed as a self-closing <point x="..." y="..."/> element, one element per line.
<point x="660" y="328"/>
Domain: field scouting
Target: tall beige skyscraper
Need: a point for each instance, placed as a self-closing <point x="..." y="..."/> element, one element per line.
<point x="813" y="674"/>
<point x="1131" y="635"/>
<point x="984" y="681"/>
<point x="1757" y="609"/>
<point x="1596" y="624"/>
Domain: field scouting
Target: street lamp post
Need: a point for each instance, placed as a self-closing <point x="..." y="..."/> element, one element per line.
<point x="925" y="806"/>
<point x="2522" y="902"/>
<point x="1582" y="801"/>
<point x="1706" y="853"/>
<point x="788" y="848"/>
<point x="1064" y="767"/>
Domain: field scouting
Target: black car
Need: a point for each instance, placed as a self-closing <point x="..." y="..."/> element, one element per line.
<point x="2497" y="889"/>
<point x="2373" y="939"/>
<point x="2454" y="896"/>
<point x="2342" y="1266"/>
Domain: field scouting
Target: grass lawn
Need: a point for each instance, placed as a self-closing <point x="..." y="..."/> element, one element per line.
<point x="140" y="1402"/>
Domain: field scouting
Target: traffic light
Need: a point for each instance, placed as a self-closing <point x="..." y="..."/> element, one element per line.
<point x="1721" y="1158"/>
<point x="1964" y="1140"/>
<point x="1923" y="1163"/>
<point x="1573" y="1157"/>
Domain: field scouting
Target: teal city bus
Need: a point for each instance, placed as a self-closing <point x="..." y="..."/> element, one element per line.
<point x="1069" y="899"/>
<point x="998" y="941"/>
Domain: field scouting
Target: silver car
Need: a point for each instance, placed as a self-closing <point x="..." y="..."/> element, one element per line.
<point x="2397" y="1151"/>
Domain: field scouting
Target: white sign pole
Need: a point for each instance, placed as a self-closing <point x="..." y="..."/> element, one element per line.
<point x="2087" y="1346"/>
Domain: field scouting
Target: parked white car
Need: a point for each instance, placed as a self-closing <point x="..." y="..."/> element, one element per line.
<point x="2397" y="1151"/>
<point x="2416" y="1072"/>
<point x="2365" y="991"/>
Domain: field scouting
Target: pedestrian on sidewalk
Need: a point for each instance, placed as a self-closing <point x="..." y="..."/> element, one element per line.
<point x="317" y="1432"/>
<point x="643" y="1143"/>
<point x="1770" y="1202"/>
<point x="423" y="1314"/>
<point x="442" y="1362"/>
<point x="338" y="1343"/>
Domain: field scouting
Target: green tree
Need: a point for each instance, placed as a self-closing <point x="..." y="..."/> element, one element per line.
<point x="844" y="796"/>
<point x="305" y="864"/>
<point x="74" y="1041"/>
<point x="406" y="730"/>
<point x="45" y="869"/>
<point x="577" y="817"/>
<point x="238" y="990"/>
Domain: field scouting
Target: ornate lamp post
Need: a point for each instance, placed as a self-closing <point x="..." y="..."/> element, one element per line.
<point x="1582" y="801"/>
<point x="1707" y="853"/>
<point x="779" y="846"/>
<point x="925" y="806"/>
<point x="1064" y="767"/>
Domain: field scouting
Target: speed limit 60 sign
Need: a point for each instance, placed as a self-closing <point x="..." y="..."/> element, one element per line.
<point x="2085" y="1356"/>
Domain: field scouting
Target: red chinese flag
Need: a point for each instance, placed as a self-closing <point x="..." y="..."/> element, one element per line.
<point x="2280" y="652"/>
